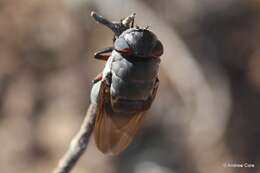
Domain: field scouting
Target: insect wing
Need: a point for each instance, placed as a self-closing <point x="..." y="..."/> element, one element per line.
<point x="114" y="131"/>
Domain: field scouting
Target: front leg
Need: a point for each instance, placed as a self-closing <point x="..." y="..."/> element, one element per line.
<point x="108" y="78"/>
<point x="97" y="78"/>
<point x="104" y="54"/>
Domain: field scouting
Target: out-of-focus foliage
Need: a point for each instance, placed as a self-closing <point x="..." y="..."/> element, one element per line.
<point x="46" y="68"/>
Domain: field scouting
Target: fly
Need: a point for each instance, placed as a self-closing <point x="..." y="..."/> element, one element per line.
<point x="127" y="86"/>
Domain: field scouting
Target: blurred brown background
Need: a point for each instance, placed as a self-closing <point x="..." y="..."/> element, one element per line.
<point x="206" y="113"/>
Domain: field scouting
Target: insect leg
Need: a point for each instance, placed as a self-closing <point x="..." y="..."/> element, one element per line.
<point x="108" y="78"/>
<point x="101" y="55"/>
<point x="97" y="78"/>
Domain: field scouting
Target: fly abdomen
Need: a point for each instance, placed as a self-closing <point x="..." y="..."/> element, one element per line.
<point x="131" y="90"/>
<point x="132" y="81"/>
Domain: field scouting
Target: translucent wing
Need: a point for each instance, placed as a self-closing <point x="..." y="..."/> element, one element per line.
<point x="114" y="131"/>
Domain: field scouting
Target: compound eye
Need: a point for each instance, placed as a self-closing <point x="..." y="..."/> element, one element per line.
<point x="122" y="46"/>
<point x="158" y="49"/>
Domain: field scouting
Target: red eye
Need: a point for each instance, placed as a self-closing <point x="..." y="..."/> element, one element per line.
<point x="122" y="46"/>
<point x="126" y="51"/>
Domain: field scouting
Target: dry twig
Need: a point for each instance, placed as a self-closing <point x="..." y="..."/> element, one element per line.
<point x="78" y="144"/>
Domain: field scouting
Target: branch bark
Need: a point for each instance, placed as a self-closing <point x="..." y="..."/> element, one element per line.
<point x="78" y="144"/>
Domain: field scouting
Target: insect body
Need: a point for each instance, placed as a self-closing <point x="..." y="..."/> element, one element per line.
<point x="127" y="86"/>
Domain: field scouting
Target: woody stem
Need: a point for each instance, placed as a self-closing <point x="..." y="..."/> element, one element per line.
<point x="78" y="144"/>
